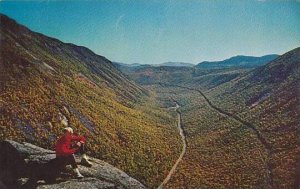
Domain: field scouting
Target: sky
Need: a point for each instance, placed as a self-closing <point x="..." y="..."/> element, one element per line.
<point x="157" y="31"/>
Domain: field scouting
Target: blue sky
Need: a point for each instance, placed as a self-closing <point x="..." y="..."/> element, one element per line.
<point x="158" y="31"/>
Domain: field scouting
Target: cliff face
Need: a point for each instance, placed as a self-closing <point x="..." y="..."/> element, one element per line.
<point x="24" y="165"/>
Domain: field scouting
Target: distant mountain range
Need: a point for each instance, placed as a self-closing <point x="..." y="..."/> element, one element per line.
<point x="128" y="65"/>
<point x="167" y="64"/>
<point x="176" y="64"/>
<point x="238" y="61"/>
<point x="210" y="74"/>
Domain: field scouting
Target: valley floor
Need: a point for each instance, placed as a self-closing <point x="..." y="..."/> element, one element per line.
<point x="223" y="149"/>
<point x="183" y="138"/>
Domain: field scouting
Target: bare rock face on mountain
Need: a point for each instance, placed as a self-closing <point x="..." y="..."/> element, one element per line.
<point x="29" y="166"/>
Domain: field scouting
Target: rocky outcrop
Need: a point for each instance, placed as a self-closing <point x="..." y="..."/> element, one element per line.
<point x="23" y="165"/>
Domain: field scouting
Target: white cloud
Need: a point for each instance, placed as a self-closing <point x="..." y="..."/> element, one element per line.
<point x="119" y="20"/>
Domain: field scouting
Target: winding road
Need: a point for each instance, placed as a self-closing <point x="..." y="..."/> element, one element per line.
<point x="171" y="172"/>
<point x="258" y="134"/>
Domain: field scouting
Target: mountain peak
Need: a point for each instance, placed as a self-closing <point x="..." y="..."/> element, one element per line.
<point x="241" y="61"/>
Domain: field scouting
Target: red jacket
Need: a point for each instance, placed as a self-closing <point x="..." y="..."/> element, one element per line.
<point x="63" y="145"/>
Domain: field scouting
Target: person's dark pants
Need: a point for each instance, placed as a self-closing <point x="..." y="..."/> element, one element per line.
<point x="70" y="159"/>
<point x="67" y="160"/>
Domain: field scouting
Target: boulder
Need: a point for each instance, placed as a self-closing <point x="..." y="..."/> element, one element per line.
<point x="23" y="165"/>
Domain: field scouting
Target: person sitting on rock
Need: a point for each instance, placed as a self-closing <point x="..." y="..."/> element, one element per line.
<point x="69" y="144"/>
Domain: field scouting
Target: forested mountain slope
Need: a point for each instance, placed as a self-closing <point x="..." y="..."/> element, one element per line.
<point x="244" y="132"/>
<point x="46" y="84"/>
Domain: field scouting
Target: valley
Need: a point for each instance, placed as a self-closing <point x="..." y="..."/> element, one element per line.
<point x="223" y="124"/>
<point x="241" y="131"/>
<point x="226" y="114"/>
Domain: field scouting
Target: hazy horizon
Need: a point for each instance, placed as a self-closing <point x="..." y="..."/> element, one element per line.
<point x="165" y="31"/>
